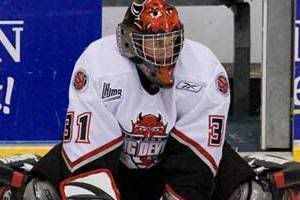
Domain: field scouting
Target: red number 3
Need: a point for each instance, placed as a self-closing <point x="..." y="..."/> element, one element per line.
<point x="216" y="130"/>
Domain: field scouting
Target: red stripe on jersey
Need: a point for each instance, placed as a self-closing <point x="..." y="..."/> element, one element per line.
<point x="92" y="153"/>
<point x="173" y="193"/>
<point x="197" y="146"/>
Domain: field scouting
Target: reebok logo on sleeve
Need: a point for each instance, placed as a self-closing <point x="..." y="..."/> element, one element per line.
<point x="190" y="86"/>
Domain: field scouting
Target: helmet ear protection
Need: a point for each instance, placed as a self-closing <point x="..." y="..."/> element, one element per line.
<point x="124" y="40"/>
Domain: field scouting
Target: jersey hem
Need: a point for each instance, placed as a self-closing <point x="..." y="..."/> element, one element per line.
<point x="205" y="156"/>
<point x="92" y="155"/>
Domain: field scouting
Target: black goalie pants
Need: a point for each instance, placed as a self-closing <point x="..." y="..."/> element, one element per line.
<point x="149" y="184"/>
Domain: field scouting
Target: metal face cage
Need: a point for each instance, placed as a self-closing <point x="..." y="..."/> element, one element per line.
<point x="158" y="49"/>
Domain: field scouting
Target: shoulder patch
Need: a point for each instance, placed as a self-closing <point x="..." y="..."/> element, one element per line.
<point x="190" y="86"/>
<point x="222" y="84"/>
<point x="110" y="93"/>
<point x="80" y="80"/>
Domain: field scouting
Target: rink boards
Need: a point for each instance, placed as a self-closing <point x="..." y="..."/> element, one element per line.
<point x="9" y="150"/>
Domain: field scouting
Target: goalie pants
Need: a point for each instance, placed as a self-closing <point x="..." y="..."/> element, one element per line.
<point x="149" y="184"/>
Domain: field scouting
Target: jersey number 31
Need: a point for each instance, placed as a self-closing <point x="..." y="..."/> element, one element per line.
<point x="83" y="123"/>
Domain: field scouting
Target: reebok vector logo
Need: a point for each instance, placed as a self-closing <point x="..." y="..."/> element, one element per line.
<point x="110" y="94"/>
<point x="190" y="86"/>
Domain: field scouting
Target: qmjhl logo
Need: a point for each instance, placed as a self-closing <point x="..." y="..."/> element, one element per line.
<point x="109" y="94"/>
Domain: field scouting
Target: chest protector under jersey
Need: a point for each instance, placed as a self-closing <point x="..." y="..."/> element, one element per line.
<point x="109" y="108"/>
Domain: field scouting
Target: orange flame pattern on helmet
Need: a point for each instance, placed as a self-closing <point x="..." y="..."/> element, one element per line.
<point x="158" y="16"/>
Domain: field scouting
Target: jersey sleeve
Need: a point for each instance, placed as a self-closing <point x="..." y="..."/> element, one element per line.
<point x="203" y="127"/>
<point x="91" y="131"/>
<point x="195" y="148"/>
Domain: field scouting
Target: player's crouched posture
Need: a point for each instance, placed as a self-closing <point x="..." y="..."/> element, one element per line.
<point x="146" y="118"/>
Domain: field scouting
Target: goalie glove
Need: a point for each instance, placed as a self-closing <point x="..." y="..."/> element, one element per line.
<point x="282" y="172"/>
<point x="17" y="182"/>
<point x="14" y="175"/>
<point x="13" y="169"/>
<point x="277" y="175"/>
<point x="23" y="162"/>
<point x="11" y="177"/>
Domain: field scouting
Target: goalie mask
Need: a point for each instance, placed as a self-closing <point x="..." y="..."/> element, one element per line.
<point x="151" y="35"/>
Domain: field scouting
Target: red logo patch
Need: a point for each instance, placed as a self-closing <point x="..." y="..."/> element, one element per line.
<point x="145" y="143"/>
<point x="222" y="84"/>
<point x="149" y="126"/>
<point x="80" y="80"/>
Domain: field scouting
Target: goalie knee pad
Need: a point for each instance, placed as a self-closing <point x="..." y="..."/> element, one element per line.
<point x="5" y="193"/>
<point x="251" y="190"/>
<point x="40" y="190"/>
<point x="96" y="184"/>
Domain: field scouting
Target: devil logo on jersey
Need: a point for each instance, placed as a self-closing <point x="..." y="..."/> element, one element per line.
<point x="148" y="126"/>
<point x="146" y="141"/>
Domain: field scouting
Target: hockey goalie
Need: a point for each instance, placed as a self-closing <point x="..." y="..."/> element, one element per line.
<point x="146" y="120"/>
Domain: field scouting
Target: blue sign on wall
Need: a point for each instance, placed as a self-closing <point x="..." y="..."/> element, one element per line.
<point x="296" y="118"/>
<point x="297" y="86"/>
<point x="39" y="44"/>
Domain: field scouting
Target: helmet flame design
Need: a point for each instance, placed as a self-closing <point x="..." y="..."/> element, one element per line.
<point x="158" y="16"/>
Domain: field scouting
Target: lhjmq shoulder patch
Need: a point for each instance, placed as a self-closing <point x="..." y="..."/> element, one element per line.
<point x="80" y="80"/>
<point x="222" y="84"/>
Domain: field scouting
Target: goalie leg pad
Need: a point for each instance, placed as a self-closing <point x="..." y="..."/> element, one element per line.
<point x="40" y="190"/>
<point x="97" y="184"/>
<point x="251" y="191"/>
<point x="5" y="193"/>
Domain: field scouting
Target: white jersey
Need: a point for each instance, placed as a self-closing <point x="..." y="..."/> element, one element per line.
<point x="108" y="107"/>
